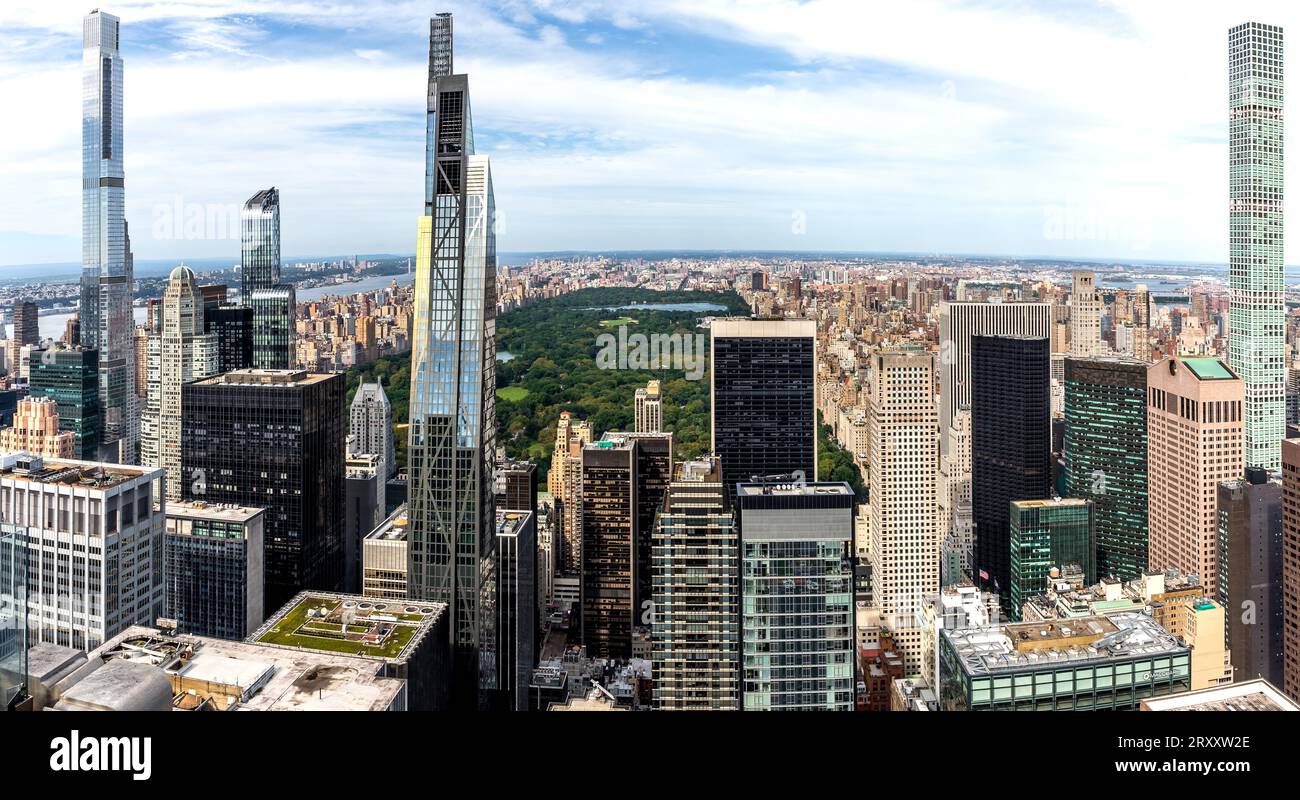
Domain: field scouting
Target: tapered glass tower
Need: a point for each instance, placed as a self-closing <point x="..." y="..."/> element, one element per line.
<point x="106" y="264"/>
<point x="453" y="421"/>
<point x="1256" y="326"/>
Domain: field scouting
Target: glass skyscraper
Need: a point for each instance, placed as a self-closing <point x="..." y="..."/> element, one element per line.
<point x="1011" y="444"/>
<point x="274" y="304"/>
<point x="70" y="377"/>
<point x="107" y="283"/>
<point x="1047" y="534"/>
<point x="796" y="589"/>
<point x="764" y="381"/>
<point x="1256" y="326"/>
<point x="1106" y="456"/>
<point x="452" y="537"/>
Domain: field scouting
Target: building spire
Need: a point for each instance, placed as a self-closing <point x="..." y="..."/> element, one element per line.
<point x="440" y="45"/>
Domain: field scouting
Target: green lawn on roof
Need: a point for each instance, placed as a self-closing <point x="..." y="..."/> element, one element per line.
<point x="288" y="632"/>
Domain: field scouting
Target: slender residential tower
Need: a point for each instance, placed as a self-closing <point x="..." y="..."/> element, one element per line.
<point x="106" y="264"/>
<point x="1256" y="326"/>
<point x="273" y="303"/>
<point x="453" y="387"/>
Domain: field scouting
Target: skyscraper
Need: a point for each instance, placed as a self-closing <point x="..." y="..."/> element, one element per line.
<point x="1194" y="443"/>
<point x="36" y="430"/>
<point x="84" y="593"/>
<point x="649" y="416"/>
<point x="70" y="377"/>
<point x="179" y="353"/>
<point x="1047" y="534"/>
<point x="107" y="283"/>
<point x="259" y="226"/>
<point x="274" y="304"/>
<point x="609" y="529"/>
<point x="695" y="567"/>
<point x="1106" y="456"/>
<point x="516" y="605"/>
<point x="797" y="596"/>
<point x="1011" y="445"/>
<point x="452" y="535"/>
<point x="763" y="398"/>
<point x="1250" y="574"/>
<point x="1085" y="315"/>
<point x="233" y="327"/>
<point x="958" y="322"/>
<point x="904" y="425"/>
<point x="1256" y="325"/>
<point x="26" y="323"/>
<point x="1291" y="566"/>
<point x="370" y="424"/>
<point x="273" y="439"/>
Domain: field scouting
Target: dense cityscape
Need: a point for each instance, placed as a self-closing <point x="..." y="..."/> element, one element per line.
<point x="457" y="479"/>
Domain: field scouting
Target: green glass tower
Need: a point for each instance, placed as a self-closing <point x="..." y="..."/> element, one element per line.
<point x="1047" y="534"/>
<point x="1257" y="334"/>
<point x="70" y="377"/>
<point x="1106" y="456"/>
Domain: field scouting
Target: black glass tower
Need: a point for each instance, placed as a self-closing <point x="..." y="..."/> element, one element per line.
<point x="1011" y="444"/>
<point x="233" y="326"/>
<point x="763" y="398"/>
<point x="273" y="439"/>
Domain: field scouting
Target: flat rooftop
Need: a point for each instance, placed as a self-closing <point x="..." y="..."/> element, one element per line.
<point x="247" y="676"/>
<point x="1207" y="368"/>
<point x="349" y="624"/>
<point x="1254" y="695"/>
<point x="265" y="377"/>
<point x="1025" y="645"/>
<point x="793" y="489"/>
<point x="198" y="509"/>
<point x="509" y="523"/>
<point x="392" y="529"/>
<point x="86" y="474"/>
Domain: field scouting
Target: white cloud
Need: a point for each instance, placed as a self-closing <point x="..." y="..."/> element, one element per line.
<point x="922" y="125"/>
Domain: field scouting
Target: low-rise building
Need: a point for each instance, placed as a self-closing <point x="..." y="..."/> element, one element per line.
<point x="1086" y="664"/>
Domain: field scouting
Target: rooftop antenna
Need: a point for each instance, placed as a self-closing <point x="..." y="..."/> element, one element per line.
<point x="440" y="45"/>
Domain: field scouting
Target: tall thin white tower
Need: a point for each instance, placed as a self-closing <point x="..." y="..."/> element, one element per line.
<point x="107" y="282"/>
<point x="1256" y="316"/>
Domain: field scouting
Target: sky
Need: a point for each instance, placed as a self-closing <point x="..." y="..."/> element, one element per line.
<point x="1013" y="127"/>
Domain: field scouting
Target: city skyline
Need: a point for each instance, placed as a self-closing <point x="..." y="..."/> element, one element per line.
<point x="936" y="150"/>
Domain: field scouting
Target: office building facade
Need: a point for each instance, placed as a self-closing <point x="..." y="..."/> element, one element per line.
<point x="1106" y="456"/>
<point x="273" y="439"/>
<point x="764" y="418"/>
<point x="1250" y="573"/>
<point x="70" y="377"/>
<point x="212" y="567"/>
<point x="1046" y="535"/>
<point x="1010" y="445"/>
<point x="903" y="503"/>
<point x="93" y="542"/>
<point x="1195" y="419"/>
<point x="516" y="605"/>
<point x="695" y="574"/>
<point x="797" y="608"/>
